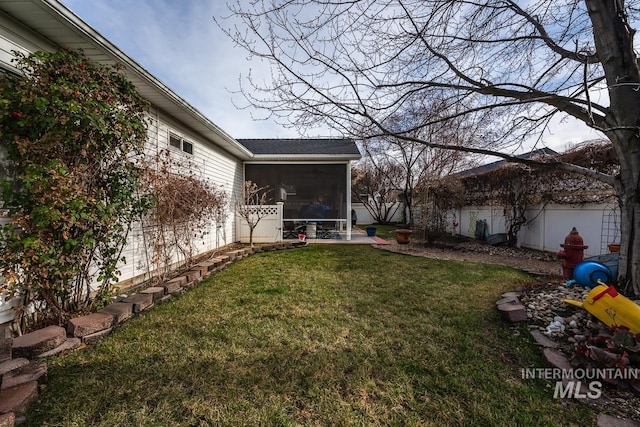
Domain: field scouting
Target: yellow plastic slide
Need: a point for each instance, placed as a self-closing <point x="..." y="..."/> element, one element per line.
<point x="610" y="307"/>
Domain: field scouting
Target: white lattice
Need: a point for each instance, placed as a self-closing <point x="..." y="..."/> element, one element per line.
<point x="269" y="229"/>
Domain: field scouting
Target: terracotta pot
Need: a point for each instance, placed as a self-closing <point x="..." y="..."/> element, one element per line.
<point x="613" y="247"/>
<point x="403" y="236"/>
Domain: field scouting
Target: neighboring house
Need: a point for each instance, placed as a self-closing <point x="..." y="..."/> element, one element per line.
<point x="558" y="201"/>
<point x="30" y="25"/>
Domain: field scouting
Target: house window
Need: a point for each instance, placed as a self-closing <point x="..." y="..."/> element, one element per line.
<point x="187" y="147"/>
<point x="180" y="143"/>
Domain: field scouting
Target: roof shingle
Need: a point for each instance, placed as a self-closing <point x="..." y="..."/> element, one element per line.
<point x="314" y="146"/>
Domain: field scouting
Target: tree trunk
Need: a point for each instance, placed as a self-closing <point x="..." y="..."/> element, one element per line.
<point x="613" y="37"/>
<point x="629" y="261"/>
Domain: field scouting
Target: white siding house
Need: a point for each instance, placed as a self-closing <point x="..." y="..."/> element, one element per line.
<point x="30" y="25"/>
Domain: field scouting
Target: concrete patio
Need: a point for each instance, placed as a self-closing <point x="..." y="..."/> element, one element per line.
<point x="358" y="237"/>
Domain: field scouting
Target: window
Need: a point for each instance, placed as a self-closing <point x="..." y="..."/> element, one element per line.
<point x="187" y="147"/>
<point x="180" y="143"/>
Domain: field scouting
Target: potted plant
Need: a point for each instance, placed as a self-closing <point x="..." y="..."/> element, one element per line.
<point x="403" y="236"/>
<point x="371" y="231"/>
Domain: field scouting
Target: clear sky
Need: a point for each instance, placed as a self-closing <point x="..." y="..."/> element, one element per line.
<point x="178" y="42"/>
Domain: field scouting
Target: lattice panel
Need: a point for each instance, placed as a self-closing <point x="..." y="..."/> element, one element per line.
<point x="263" y="211"/>
<point x="610" y="227"/>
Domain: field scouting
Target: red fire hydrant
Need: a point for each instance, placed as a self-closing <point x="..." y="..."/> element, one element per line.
<point x="573" y="253"/>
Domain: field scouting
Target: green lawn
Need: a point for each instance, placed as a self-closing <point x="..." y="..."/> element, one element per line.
<point x="327" y="335"/>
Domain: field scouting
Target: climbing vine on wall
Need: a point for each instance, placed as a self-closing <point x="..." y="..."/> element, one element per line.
<point x="516" y="187"/>
<point x="74" y="132"/>
<point x="185" y="207"/>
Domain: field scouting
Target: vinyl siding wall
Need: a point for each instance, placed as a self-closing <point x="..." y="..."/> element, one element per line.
<point x="216" y="164"/>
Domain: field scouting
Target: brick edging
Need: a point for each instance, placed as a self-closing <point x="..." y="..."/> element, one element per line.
<point x="25" y="377"/>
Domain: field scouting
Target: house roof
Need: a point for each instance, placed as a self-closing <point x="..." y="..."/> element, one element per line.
<point x="59" y="25"/>
<point x="480" y="170"/>
<point x="302" y="149"/>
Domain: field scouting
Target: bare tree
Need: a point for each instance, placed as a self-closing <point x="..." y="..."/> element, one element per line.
<point x="416" y="163"/>
<point x="250" y="206"/>
<point x="343" y="64"/>
<point x="373" y="186"/>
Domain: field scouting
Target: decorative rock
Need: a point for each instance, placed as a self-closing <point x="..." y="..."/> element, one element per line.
<point x="156" y="292"/>
<point x="12" y="364"/>
<point x="68" y="345"/>
<point x="180" y="281"/>
<point x="121" y="311"/>
<point x="204" y="270"/>
<point x="579" y="338"/>
<point x="221" y="260"/>
<point x="173" y="286"/>
<point x="34" y="343"/>
<point x="543" y="340"/>
<point x="557" y="359"/>
<point x="508" y="300"/>
<point x="193" y="275"/>
<point x="209" y="265"/>
<point x="240" y="253"/>
<point x="513" y="312"/>
<point x="87" y="325"/>
<point x="604" y="420"/>
<point x="8" y="419"/>
<point x="140" y="302"/>
<point x="33" y="371"/>
<point x="17" y="399"/>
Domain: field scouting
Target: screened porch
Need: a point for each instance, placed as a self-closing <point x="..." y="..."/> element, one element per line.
<point x="315" y="196"/>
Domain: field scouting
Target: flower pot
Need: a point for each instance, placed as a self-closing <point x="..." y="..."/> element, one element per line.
<point x="613" y="247"/>
<point x="371" y="231"/>
<point x="403" y="236"/>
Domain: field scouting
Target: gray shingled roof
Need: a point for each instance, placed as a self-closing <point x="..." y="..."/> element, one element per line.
<point x="316" y="147"/>
<point x="480" y="170"/>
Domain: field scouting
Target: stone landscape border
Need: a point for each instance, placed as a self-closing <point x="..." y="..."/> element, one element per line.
<point x="513" y="311"/>
<point x="22" y="368"/>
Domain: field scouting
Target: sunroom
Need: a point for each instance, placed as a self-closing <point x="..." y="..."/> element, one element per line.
<point x="309" y="182"/>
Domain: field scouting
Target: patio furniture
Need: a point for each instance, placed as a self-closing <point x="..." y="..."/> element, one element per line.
<point x="289" y="230"/>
